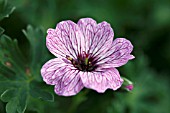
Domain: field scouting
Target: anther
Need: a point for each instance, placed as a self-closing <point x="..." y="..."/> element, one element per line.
<point x="69" y="58"/>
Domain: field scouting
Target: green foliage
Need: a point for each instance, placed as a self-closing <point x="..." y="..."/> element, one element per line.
<point x="5" y="9"/>
<point x="38" y="53"/>
<point x="17" y="73"/>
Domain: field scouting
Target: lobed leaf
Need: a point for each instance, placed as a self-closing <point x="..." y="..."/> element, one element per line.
<point x="38" y="92"/>
<point x="38" y="52"/>
<point x="18" y="75"/>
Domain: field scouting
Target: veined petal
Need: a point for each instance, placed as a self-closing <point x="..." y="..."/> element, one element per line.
<point x="55" y="68"/>
<point x="117" y="55"/>
<point x="62" y="41"/>
<point x="97" y="37"/>
<point x="88" y="28"/>
<point x="103" y="39"/>
<point x="70" y="84"/>
<point x="100" y="81"/>
<point x="63" y="75"/>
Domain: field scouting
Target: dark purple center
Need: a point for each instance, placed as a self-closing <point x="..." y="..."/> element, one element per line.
<point x="84" y="62"/>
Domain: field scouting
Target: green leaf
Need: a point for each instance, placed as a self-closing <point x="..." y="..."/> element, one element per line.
<point x="36" y="38"/>
<point x="10" y="47"/>
<point x="6" y="84"/>
<point x="37" y="92"/>
<point x="38" y="50"/>
<point x="22" y="100"/>
<point x="11" y="106"/>
<point x="18" y="74"/>
<point x="5" y="9"/>
<point x="8" y="95"/>
<point x="11" y="56"/>
<point x="21" y="96"/>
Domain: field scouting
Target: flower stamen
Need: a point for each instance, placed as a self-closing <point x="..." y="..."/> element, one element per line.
<point x="84" y="62"/>
<point x="69" y="58"/>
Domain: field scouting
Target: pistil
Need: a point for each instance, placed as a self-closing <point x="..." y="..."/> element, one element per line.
<point x="86" y="61"/>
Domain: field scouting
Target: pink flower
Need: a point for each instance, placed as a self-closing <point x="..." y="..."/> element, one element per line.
<point x="86" y="55"/>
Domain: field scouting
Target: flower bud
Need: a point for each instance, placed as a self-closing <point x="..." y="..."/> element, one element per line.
<point x="129" y="87"/>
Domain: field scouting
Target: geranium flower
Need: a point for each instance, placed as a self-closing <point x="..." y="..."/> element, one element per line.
<point x="86" y="55"/>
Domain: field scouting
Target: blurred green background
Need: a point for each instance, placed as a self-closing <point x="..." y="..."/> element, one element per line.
<point x="145" y="23"/>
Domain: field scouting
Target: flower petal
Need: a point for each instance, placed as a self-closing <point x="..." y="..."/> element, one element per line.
<point x="70" y="84"/>
<point x="97" y="37"/>
<point x="117" y="55"/>
<point x="100" y="81"/>
<point x="63" y="75"/>
<point x="62" y="41"/>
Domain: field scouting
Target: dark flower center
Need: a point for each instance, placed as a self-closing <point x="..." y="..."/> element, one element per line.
<point x="84" y="62"/>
